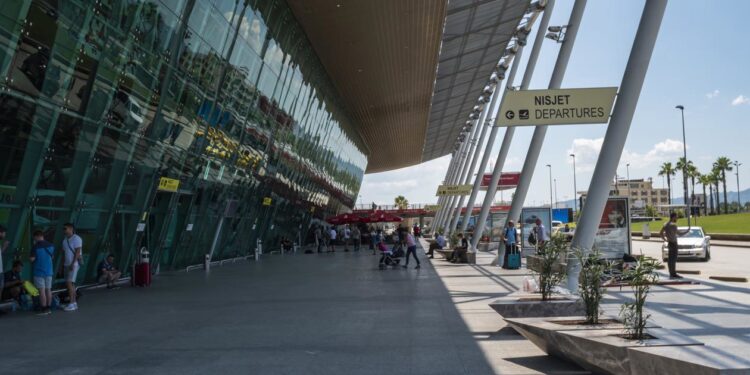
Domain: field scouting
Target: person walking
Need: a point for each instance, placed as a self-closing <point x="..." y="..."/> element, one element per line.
<point x="41" y="259"/>
<point x="72" y="246"/>
<point x="332" y="240"/>
<point x="540" y="234"/>
<point x="509" y="237"/>
<point x="318" y="238"/>
<point x="411" y="248"/>
<point x="669" y="234"/>
<point x="347" y="237"/>
<point x="357" y="237"/>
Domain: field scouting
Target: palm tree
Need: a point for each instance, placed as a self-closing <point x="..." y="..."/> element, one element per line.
<point x="706" y="180"/>
<point x="668" y="170"/>
<point x="686" y="169"/>
<point x="401" y="202"/>
<point x="723" y="165"/>
<point x="715" y="179"/>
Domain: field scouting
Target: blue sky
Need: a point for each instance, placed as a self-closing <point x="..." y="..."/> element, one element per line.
<point x="700" y="60"/>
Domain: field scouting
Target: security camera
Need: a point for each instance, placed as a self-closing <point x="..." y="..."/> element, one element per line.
<point x="554" y="29"/>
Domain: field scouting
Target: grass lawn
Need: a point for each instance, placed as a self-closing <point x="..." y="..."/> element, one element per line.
<point x="732" y="223"/>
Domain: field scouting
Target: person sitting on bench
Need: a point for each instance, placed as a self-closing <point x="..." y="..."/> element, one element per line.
<point x="13" y="282"/>
<point x="459" y="253"/>
<point x="439" y="244"/>
<point x="108" y="273"/>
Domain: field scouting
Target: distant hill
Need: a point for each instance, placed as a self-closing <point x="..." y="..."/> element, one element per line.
<point x="731" y="196"/>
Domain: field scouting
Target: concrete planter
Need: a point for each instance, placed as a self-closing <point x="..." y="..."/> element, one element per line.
<point x="534" y="263"/>
<point x="601" y="350"/>
<point x="530" y="305"/>
<point x="488" y="246"/>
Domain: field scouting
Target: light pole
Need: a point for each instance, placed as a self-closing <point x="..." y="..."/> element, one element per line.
<point x="627" y="169"/>
<point x="737" y="172"/>
<point x="685" y="167"/>
<point x="575" y="188"/>
<point x="555" y="193"/>
<point x="550" y="184"/>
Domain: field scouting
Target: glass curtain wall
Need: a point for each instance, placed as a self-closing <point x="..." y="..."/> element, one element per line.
<point x="169" y="125"/>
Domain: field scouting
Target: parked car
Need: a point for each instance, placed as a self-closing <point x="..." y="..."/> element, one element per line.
<point x="693" y="244"/>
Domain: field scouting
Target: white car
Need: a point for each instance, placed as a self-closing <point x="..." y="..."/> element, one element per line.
<point x="693" y="244"/>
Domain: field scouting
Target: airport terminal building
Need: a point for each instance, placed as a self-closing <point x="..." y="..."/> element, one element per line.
<point x="186" y="125"/>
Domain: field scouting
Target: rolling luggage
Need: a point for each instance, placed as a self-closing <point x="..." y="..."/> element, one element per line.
<point x="142" y="274"/>
<point x="514" y="258"/>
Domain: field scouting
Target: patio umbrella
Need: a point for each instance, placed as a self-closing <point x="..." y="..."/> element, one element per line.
<point x="343" y="219"/>
<point x="384" y="217"/>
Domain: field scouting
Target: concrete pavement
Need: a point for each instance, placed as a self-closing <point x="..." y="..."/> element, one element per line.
<point x="300" y="314"/>
<point x="725" y="261"/>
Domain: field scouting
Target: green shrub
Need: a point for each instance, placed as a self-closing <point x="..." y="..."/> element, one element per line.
<point x="591" y="281"/>
<point x="641" y="277"/>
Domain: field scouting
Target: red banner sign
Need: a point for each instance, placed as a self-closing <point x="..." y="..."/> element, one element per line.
<point x="508" y="180"/>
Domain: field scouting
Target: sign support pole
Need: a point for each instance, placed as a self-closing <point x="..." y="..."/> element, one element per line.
<point x="510" y="131"/>
<point x="537" y="140"/>
<point x="449" y="181"/>
<point x="617" y="131"/>
<point x="528" y="73"/>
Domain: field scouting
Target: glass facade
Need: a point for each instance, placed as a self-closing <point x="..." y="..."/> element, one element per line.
<point x="166" y="124"/>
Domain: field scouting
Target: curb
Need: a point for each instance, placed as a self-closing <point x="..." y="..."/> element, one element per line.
<point x="729" y="279"/>
<point x="743" y="246"/>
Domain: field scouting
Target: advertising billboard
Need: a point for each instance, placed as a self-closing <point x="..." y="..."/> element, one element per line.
<point x="613" y="236"/>
<point x="528" y="222"/>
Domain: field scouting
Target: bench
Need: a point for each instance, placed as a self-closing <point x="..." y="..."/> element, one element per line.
<point x="444" y="252"/>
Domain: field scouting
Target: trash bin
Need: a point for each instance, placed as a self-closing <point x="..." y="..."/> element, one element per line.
<point x="142" y="269"/>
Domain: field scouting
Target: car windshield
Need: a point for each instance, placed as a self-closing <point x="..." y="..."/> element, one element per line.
<point x="694" y="233"/>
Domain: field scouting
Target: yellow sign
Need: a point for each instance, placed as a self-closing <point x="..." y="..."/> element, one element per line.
<point x="266" y="201"/>
<point x="557" y="107"/>
<point x="453" y="190"/>
<point x="168" y="184"/>
<point x="431" y="207"/>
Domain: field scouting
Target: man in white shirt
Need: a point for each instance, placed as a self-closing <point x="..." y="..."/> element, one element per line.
<point x="347" y="236"/>
<point x="332" y="243"/>
<point x="540" y="232"/>
<point x="72" y="246"/>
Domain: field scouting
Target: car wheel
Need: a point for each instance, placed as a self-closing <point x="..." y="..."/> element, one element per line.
<point x="707" y="255"/>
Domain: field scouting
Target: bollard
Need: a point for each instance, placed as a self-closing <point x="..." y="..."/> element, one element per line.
<point x="646" y="232"/>
<point x="258" y="249"/>
<point x="207" y="262"/>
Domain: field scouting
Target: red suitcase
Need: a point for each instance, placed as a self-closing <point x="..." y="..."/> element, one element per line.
<point x="142" y="275"/>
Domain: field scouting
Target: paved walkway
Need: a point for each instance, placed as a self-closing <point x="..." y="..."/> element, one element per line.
<point x="301" y="314"/>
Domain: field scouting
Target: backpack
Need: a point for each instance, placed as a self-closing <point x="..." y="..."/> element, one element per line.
<point x="532" y="238"/>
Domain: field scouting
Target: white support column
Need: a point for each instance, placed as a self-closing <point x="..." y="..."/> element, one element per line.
<point x="509" y="84"/>
<point x="537" y="140"/>
<point x="458" y="158"/>
<point x="617" y="131"/>
<point x="475" y="148"/>
<point x="462" y="167"/>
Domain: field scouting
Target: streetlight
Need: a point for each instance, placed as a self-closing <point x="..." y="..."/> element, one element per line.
<point x="685" y="167"/>
<point x="575" y="189"/>
<point x="556" y="201"/>
<point x="737" y="172"/>
<point x="550" y="184"/>
<point x="627" y="168"/>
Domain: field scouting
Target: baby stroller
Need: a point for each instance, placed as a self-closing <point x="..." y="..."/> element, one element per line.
<point x="390" y="257"/>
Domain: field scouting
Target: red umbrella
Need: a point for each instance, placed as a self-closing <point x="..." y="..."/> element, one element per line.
<point x="343" y="219"/>
<point x="383" y="217"/>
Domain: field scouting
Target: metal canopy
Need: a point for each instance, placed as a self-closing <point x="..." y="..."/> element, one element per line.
<point x="476" y="34"/>
<point x="408" y="71"/>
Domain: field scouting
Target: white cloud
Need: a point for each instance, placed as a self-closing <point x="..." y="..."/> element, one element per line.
<point x="712" y="94"/>
<point x="391" y="184"/>
<point x="741" y="100"/>
<point x="587" y="153"/>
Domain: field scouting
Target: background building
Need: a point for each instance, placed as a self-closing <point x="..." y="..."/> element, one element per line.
<point x="642" y="193"/>
<point x="190" y="125"/>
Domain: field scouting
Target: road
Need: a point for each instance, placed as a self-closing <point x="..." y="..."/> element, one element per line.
<point x="725" y="261"/>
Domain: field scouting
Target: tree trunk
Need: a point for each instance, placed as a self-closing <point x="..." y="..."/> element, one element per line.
<point x="718" y="199"/>
<point x="724" y="182"/>
<point x="669" y="189"/>
<point x="711" y="197"/>
<point x="705" y="207"/>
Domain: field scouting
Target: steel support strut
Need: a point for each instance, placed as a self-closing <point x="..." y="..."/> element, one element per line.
<point x="617" y="131"/>
<point x="537" y="140"/>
